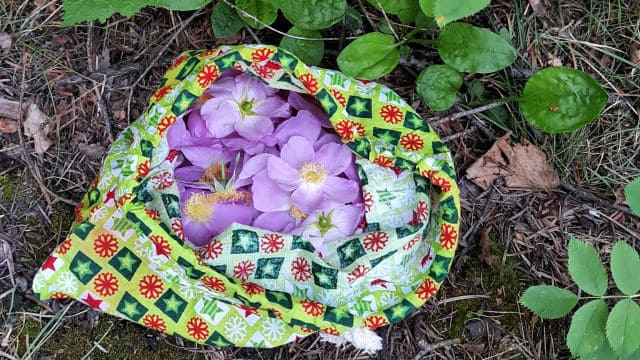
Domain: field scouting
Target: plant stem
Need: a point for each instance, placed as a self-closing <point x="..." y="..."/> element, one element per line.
<point x="610" y="297"/>
<point x="408" y="36"/>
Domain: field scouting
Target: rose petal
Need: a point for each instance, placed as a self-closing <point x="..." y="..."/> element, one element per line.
<point x="340" y="190"/>
<point x="274" y="221"/>
<point x="303" y="124"/>
<point x="307" y="197"/>
<point x="254" y="127"/>
<point x="334" y="157"/>
<point x="220" y="116"/>
<point x="267" y="196"/>
<point x="177" y="135"/>
<point x="197" y="234"/>
<point x="272" y="107"/>
<point x="297" y="151"/>
<point x="282" y="174"/>
<point x="253" y="165"/>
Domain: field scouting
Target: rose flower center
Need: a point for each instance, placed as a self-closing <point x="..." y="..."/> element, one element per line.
<point x="313" y="172"/>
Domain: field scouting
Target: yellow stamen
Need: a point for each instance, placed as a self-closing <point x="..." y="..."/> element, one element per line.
<point x="313" y="172"/>
<point x="297" y="213"/>
<point x="199" y="208"/>
<point x="214" y="172"/>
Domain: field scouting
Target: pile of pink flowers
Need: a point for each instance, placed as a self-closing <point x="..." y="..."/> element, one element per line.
<point x="263" y="157"/>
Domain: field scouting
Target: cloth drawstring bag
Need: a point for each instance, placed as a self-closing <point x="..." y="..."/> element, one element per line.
<point x="126" y="255"/>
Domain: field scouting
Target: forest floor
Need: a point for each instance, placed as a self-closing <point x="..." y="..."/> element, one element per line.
<point x="90" y="80"/>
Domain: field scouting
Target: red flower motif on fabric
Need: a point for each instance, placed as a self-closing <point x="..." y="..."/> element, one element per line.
<point x="162" y="92"/>
<point x="443" y="184"/>
<point x="423" y="210"/>
<point x="155" y="322"/>
<point x="271" y="243"/>
<point x="383" y="161"/>
<point x="276" y="312"/>
<point x="428" y="174"/>
<point x="179" y="61"/>
<point x="77" y="211"/>
<point x="214" y="283"/>
<point x="212" y="250"/>
<point x="412" y="142"/>
<point x="153" y="214"/>
<point x="105" y="284"/>
<point x="367" y="199"/>
<point x="198" y="258"/>
<point x="375" y="321"/>
<point x="426" y="289"/>
<point x="197" y="328"/>
<point x="162" y="181"/>
<point x="345" y="130"/>
<point x="172" y="155"/>
<point x="300" y="269"/>
<point x="58" y="295"/>
<point x="248" y="310"/>
<point x="124" y="198"/>
<point x="265" y="72"/>
<point x="375" y="241"/>
<point x="391" y="114"/>
<point x="143" y="169"/>
<point x="64" y="247"/>
<point x="244" y="269"/>
<point x="161" y="245"/>
<point x="448" y="236"/>
<point x="164" y="123"/>
<point x="358" y="272"/>
<point x="310" y="82"/>
<point x="252" y="288"/>
<point x="151" y="286"/>
<point x="207" y="76"/>
<point x="261" y="55"/>
<point x="412" y="242"/>
<point x="105" y="245"/>
<point x="176" y="226"/>
<point x="206" y="53"/>
<point x="339" y="97"/>
<point x="330" y="331"/>
<point x="312" y="308"/>
<point x="306" y="330"/>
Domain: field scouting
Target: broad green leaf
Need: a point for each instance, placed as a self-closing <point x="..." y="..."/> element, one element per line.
<point x="77" y="11"/>
<point x="605" y="352"/>
<point x="352" y="19"/>
<point x="475" y="89"/>
<point x="632" y="193"/>
<point x="313" y="14"/>
<point x="623" y="327"/>
<point x="549" y="302"/>
<point x="625" y="264"/>
<point x="369" y="57"/>
<point x="427" y="7"/>
<point x="587" y="331"/>
<point x="475" y="50"/>
<point x="263" y="10"/>
<point x="405" y="9"/>
<point x="310" y="51"/>
<point x="558" y="99"/>
<point x="425" y="23"/>
<point x="446" y="11"/>
<point x="225" y="20"/>
<point x="586" y="269"/>
<point x="439" y="85"/>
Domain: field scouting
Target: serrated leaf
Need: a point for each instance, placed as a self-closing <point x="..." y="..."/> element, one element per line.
<point x="632" y="194"/>
<point x="560" y="99"/>
<point x="625" y="264"/>
<point x="369" y="57"/>
<point x="406" y="10"/>
<point x="548" y="302"/>
<point x="587" y="331"/>
<point x="225" y="20"/>
<point x="586" y="269"/>
<point x="439" y="85"/>
<point x="263" y="10"/>
<point x="623" y="327"/>
<point x="310" y="51"/>
<point x="313" y="14"/>
<point x="471" y="49"/>
<point x="446" y="11"/>
<point x="77" y="11"/>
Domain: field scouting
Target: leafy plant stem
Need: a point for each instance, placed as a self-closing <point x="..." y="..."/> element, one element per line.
<point x="408" y="37"/>
<point x="610" y="297"/>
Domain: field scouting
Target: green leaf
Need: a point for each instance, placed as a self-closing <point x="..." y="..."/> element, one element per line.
<point x="313" y="14"/>
<point x="586" y="269"/>
<point x="475" y="89"/>
<point x="310" y="51"/>
<point x="77" y="11"/>
<point x="632" y="193"/>
<point x="405" y="9"/>
<point x="471" y="49"/>
<point x="439" y="85"/>
<point x="446" y="11"/>
<point x="623" y="327"/>
<point x="625" y="264"/>
<point x="587" y="331"/>
<point x="605" y="352"/>
<point x="549" y="302"/>
<point x="264" y="10"/>
<point x="352" y="19"/>
<point x="425" y="23"/>
<point x="560" y="99"/>
<point x="369" y="57"/>
<point x="225" y="20"/>
<point x="427" y="7"/>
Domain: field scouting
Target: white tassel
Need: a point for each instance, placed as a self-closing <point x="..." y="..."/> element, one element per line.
<point x="361" y="338"/>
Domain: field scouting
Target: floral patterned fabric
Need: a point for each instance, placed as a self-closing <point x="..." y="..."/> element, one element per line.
<point x="126" y="256"/>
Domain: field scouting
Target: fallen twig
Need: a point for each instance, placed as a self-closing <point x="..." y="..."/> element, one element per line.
<point x="426" y="348"/>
